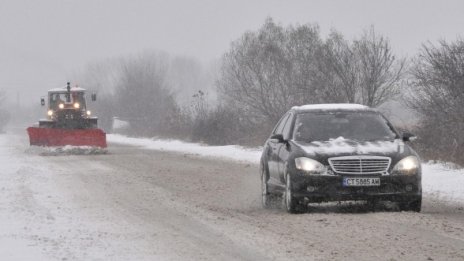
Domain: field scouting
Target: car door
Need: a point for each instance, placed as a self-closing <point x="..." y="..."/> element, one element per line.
<point x="272" y="148"/>
<point x="284" y="148"/>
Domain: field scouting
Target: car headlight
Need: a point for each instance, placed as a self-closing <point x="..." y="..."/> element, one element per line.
<point x="50" y="113"/>
<point x="310" y="166"/>
<point x="61" y="106"/>
<point x="407" y="166"/>
<point x="77" y="105"/>
<point x="88" y="113"/>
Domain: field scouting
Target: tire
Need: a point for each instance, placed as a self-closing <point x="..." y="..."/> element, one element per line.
<point x="292" y="204"/>
<point x="268" y="200"/>
<point x="411" y="204"/>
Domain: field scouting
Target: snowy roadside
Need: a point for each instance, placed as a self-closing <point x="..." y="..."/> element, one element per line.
<point x="442" y="182"/>
<point x="16" y="243"/>
<point x="232" y="152"/>
<point x="438" y="181"/>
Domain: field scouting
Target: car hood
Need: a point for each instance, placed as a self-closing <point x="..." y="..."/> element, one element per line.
<point x="345" y="147"/>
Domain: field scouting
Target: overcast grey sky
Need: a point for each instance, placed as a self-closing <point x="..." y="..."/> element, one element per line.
<point x="44" y="42"/>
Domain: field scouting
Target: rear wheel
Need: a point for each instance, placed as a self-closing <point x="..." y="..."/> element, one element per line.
<point x="265" y="197"/>
<point x="292" y="204"/>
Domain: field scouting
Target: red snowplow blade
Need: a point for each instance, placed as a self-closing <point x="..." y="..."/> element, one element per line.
<point x="61" y="137"/>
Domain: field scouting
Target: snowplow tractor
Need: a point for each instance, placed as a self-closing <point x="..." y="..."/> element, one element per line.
<point x="68" y="121"/>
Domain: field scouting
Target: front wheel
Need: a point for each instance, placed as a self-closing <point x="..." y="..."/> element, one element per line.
<point x="292" y="204"/>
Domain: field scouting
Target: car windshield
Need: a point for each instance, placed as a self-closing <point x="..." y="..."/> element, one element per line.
<point x="359" y="126"/>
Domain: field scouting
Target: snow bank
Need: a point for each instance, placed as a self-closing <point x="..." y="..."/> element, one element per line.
<point x="227" y="152"/>
<point x="443" y="182"/>
<point x="437" y="179"/>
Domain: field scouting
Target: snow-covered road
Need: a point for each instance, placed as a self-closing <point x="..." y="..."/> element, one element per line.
<point x="140" y="204"/>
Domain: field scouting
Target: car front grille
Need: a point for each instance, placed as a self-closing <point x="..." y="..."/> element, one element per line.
<point x="360" y="164"/>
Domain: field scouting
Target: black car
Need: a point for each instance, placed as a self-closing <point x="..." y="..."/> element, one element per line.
<point x="339" y="152"/>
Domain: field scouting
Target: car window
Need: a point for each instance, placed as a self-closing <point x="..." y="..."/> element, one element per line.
<point x="278" y="129"/>
<point x="287" y="127"/>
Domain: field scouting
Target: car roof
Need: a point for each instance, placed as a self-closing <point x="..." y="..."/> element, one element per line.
<point x="332" y="107"/>
<point x="61" y="90"/>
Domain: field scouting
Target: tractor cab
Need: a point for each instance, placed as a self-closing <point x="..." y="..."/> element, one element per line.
<point x="60" y="100"/>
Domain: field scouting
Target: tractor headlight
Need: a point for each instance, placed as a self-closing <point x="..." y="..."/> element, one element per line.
<point x="50" y="113"/>
<point x="61" y="106"/>
<point x="310" y="166"/>
<point x="77" y="105"/>
<point x="88" y="113"/>
<point x="407" y="166"/>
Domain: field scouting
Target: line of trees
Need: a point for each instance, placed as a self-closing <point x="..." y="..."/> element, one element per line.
<point x="4" y="115"/>
<point x="437" y="95"/>
<point x="267" y="71"/>
<point x="157" y="94"/>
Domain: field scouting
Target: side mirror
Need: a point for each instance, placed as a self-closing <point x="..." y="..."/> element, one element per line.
<point x="94" y="96"/>
<point x="409" y="136"/>
<point x="278" y="138"/>
<point x="42" y="101"/>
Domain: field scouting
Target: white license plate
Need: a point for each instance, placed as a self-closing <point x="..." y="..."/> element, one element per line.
<point x="360" y="182"/>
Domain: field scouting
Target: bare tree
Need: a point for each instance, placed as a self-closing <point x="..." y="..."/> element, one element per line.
<point x="439" y="79"/>
<point x="338" y="70"/>
<point x="143" y="97"/>
<point x="302" y="50"/>
<point x="186" y="76"/>
<point x="364" y="71"/>
<point x="380" y="71"/>
<point x="102" y="77"/>
<point x="438" y="96"/>
<point x="268" y="71"/>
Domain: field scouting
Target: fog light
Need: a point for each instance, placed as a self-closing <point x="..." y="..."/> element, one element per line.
<point x="311" y="189"/>
<point x="408" y="188"/>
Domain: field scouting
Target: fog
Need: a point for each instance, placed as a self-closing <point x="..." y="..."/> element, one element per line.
<point x="44" y="43"/>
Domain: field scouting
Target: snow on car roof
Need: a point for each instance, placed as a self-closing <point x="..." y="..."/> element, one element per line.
<point x="332" y="106"/>
<point x="73" y="89"/>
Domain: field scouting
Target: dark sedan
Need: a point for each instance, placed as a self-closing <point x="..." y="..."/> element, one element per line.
<point x="339" y="152"/>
